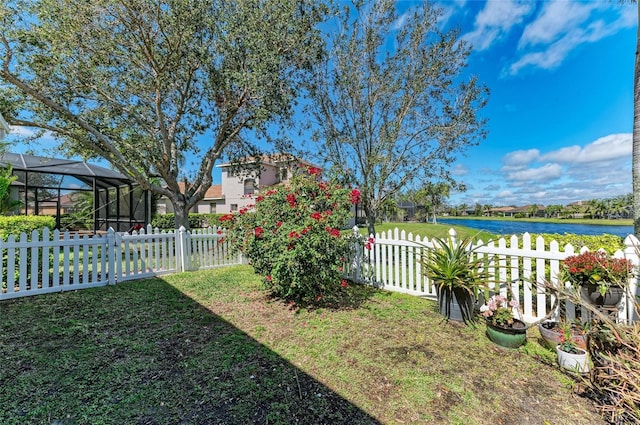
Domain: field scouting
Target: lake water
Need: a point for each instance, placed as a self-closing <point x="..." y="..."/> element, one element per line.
<point x="507" y="228"/>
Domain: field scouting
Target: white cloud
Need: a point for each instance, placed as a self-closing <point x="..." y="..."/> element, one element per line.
<point x="21" y="131"/>
<point x="613" y="146"/>
<point x="521" y="157"/>
<point x="556" y="18"/>
<point x="496" y="20"/>
<point x="545" y="173"/>
<point x="562" y="26"/>
<point x="459" y="170"/>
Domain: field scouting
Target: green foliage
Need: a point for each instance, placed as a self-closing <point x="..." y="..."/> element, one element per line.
<point x="15" y="225"/>
<point x="610" y="243"/>
<point x="293" y="240"/>
<point x="456" y="272"/>
<point x="196" y="221"/>
<point x="140" y="82"/>
<point x="393" y="103"/>
<point x="6" y="203"/>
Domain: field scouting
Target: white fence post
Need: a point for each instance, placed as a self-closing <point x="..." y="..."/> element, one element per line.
<point x="631" y="252"/>
<point x="111" y="256"/>
<point x="182" y="252"/>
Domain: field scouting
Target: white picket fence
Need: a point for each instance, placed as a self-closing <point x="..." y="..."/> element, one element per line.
<point x="519" y="267"/>
<point x="53" y="261"/>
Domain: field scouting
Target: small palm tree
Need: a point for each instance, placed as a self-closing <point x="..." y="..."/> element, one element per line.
<point x="457" y="274"/>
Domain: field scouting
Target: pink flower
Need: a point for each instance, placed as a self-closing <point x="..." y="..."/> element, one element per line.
<point x="269" y="277"/>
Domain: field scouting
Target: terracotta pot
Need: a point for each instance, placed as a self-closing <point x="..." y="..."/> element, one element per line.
<point x="611" y="298"/>
<point x="552" y="335"/>
<point x="512" y="337"/>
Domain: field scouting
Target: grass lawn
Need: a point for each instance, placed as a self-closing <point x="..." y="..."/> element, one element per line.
<point x="211" y="347"/>
<point x="432" y="230"/>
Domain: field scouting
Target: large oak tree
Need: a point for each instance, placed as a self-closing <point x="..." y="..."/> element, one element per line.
<point x="391" y="105"/>
<point x="150" y="84"/>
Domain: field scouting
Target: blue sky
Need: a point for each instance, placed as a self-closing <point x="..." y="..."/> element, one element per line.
<point x="561" y="105"/>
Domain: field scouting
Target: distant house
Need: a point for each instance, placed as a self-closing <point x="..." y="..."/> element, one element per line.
<point x="241" y="182"/>
<point x="525" y="210"/>
<point x="207" y="205"/>
<point x="4" y="127"/>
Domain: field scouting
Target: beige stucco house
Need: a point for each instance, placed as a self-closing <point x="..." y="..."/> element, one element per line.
<point x="242" y="182"/>
<point x="4" y="127"/>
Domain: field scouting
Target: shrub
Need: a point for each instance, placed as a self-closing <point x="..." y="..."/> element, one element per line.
<point x="610" y="243"/>
<point x="292" y="238"/>
<point x="17" y="224"/>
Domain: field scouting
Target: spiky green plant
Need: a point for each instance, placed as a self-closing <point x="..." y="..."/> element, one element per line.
<point x="456" y="272"/>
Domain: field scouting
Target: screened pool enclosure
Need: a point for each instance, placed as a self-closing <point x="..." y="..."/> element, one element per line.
<point x="81" y="196"/>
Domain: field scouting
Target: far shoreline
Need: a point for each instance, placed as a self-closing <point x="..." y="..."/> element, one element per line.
<point x="587" y="221"/>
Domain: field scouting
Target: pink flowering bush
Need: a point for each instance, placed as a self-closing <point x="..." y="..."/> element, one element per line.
<point x="292" y="237"/>
<point x="499" y="310"/>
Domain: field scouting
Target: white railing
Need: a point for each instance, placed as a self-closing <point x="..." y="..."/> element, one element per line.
<point x="518" y="265"/>
<point x="53" y="261"/>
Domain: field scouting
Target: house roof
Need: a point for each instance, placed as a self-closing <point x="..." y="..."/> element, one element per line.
<point x="214" y="192"/>
<point x="104" y="177"/>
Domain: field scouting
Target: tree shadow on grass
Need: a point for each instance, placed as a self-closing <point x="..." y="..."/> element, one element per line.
<point x="145" y="353"/>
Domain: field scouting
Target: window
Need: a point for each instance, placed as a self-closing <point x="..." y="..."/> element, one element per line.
<point x="283" y="173"/>
<point x="212" y="207"/>
<point x="234" y="207"/>
<point x="249" y="187"/>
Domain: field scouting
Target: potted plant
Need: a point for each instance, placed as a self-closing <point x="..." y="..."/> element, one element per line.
<point x="457" y="275"/>
<point x="570" y="356"/>
<point x="601" y="278"/>
<point x="502" y="327"/>
<point x="552" y="333"/>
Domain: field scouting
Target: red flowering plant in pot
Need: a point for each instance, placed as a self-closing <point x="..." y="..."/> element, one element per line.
<point x="600" y="277"/>
<point x="292" y="237"/>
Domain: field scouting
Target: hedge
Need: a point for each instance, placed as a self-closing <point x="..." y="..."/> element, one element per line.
<point x="17" y="224"/>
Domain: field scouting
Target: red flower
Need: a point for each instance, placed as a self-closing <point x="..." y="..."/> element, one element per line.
<point x="227" y="217"/>
<point x="258" y="231"/>
<point x="314" y="170"/>
<point x="333" y="232"/>
<point x="294" y="234"/>
<point x="259" y="199"/>
<point x="269" y="277"/>
<point x="369" y="243"/>
<point x="278" y="224"/>
<point x="305" y="230"/>
<point x="316" y="216"/>
<point x="328" y="213"/>
<point x="219" y="232"/>
<point x="271" y="192"/>
<point x="355" y="196"/>
<point x="344" y="283"/>
<point x="291" y="199"/>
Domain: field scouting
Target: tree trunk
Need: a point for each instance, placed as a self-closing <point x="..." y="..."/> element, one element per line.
<point x="181" y="212"/>
<point x="636" y="137"/>
<point x="371" y="219"/>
